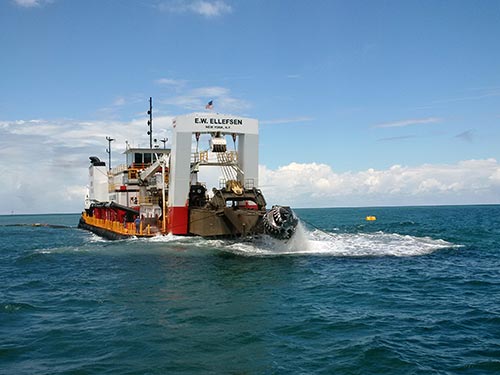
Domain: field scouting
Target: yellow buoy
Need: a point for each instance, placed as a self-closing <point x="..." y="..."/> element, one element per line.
<point x="371" y="218"/>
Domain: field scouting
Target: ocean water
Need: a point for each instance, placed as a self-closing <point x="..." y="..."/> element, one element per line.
<point x="415" y="292"/>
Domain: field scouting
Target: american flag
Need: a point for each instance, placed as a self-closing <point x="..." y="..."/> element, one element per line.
<point x="210" y="105"/>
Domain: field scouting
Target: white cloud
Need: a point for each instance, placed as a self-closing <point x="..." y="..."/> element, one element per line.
<point x="171" y="82"/>
<point x="188" y="102"/>
<point x="210" y="8"/>
<point x="120" y="101"/>
<point x="52" y="156"/>
<point x="495" y="176"/>
<point x="211" y="92"/>
<point x="403" y="123"/>
<point x="196" y="99"/>
<point x="44" y="162"/>
<point x="27" y="3"/>
<point x="317" y="185"/>
<point x="203" y="8"/>
<point x="31" y="3"/>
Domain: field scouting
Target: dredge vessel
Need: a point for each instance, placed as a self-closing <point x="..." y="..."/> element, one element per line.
<point x="157" y="191"/>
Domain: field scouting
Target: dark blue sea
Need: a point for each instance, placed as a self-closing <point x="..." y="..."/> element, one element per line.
<point x="415" y="292"/>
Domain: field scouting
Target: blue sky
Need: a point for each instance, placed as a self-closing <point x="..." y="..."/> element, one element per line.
<point x="361" y="102"/>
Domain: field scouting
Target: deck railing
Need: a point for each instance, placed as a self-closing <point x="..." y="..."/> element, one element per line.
<point x="126" y="228"/>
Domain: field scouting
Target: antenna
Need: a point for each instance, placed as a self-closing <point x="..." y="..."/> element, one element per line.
<point x="150" y="122"/>
<point x="164" y="140"/>
<point x="108" y="150"/>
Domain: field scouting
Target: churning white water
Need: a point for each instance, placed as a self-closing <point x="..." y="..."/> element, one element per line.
<point x="313" y="242"/>
<point x="318" y="242"/>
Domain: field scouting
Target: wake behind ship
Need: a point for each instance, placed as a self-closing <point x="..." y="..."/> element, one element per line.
<point x="157" y="191"/>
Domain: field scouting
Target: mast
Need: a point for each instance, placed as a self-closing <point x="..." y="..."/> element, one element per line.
<point x="150" y="122"/>
<point x="108" y="150"/>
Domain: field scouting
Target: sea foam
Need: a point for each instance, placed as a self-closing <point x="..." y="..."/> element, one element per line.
<point x="318" y="242"/>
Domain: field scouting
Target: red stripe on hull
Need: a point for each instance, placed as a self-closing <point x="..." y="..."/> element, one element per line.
<point x="178" y="220"/>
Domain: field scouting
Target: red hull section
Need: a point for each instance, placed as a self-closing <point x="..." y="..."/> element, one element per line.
<point x="178" y="220"/>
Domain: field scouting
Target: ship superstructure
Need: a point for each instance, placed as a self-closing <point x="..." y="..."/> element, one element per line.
<point x="158" y="191"/>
